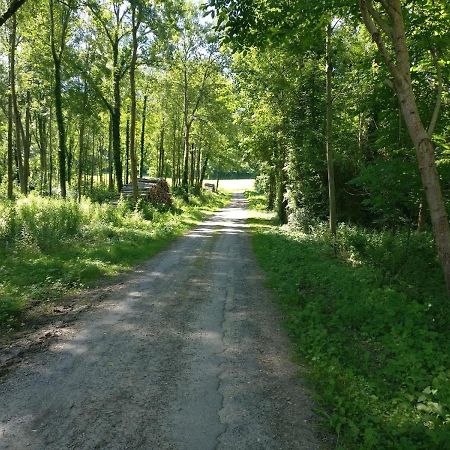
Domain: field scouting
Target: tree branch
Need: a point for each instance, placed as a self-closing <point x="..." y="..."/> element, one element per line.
<point x="13" y="7"/>
<point x="377" y="38"/>
<point x="437" y="106"/>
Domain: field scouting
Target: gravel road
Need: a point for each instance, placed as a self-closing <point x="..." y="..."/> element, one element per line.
<point x="187" y="354"/>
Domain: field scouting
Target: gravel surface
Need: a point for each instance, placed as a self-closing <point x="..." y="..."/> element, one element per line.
<point x="187" y="354"/>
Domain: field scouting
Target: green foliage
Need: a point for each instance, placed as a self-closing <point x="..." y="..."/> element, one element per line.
<point x="397" y="198"/>
<point x="373" y="325"/>
<point x="256" y="200"/>
<point x="49" y="247"/>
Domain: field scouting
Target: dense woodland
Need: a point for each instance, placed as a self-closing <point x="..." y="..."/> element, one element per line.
<point x="98" y="94"/>
<point x="341" y="108"/>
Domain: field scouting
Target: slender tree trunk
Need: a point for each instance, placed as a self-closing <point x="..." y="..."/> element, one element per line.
<point x="10" y="156"/>
<point x="80" y="158"/>
<point x="70" y="160"/>
<point x="281" y="197"/>
<point x="62" y="152"/>
<point x="329" y="135"/>
<point x="42" y="132"/>
<point x="401" y="73"/>
<point x="192" y="171"/>
<point x="198" y="169"/>
<point x="100" y="161"/>
<point x="27" y="141"/>
<point x="110" y="158"/>
<point x="57" y="91"/>
<point x="144" y="114"/>
<point x="50" y="150"/>
<point x="161" y="150"/>
<point x="272" y="190"/>
<point x="92" y="162"/>
<point x="135" y="27"/>
<point x="17" y="119"/>
<point x="116" y="116"/>
<point x="186" y="136"/>
<point x="127" y="152"/>
<point x="203" y="171"/>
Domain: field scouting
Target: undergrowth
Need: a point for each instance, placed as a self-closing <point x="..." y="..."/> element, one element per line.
<point x="373" y="323"/>
<point x="50" y="247"/>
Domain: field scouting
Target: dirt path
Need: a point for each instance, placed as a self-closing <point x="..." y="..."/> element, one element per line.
<point x="188" y="354"/>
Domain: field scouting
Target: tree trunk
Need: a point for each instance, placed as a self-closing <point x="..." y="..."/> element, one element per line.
<point x="10" y="155"/>
<point x="186" y="134"/>
<point x="116" y="117"/>
<point x="92" y="162"/>
<point x="192" y="171"/>
<point x="62" y="152"/>
<point x="17" y="119"/>
<point x="430" y="178"/>
<point x="135" y="26"/>
<point x="174" y="154"/>
<point x="401" y="72"/>
<point x="70" y="160"/>
<point x="127" y="152"/>
<point x="50" y="152"/>
<point x="161" y="158"/>
<point x="110" y="158"/>
<point x="272" y="190"/>
<point x="27" y="142"/>
<point x="57" y="91"/>
<point x="80" y="158"/>
<point x="144" y="114"/>
<point x="281" y="197"/>
<point x="42" y="132"/>
<point x="185" y="180"/>
<point x="329" y="135"/>
<point x="203" y="172"/>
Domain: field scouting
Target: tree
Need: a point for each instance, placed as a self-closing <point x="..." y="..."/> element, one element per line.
<point x="60" y="16"/>
<point x="12" y="9"/>
<point x="385" y="21"/>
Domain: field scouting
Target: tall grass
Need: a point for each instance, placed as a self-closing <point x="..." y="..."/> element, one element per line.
<point x="373" y="323"/>
<point x="49" y="247"/>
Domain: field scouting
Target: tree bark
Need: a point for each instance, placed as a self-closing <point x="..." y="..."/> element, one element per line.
<point x="281" y="200"/>
<point x="329" y="135"/>
<point x="399" y="67"/>
<point x="144" y="114"/>
<point x="57" y="91"/>
<point x="110" y="158"/>
<point x="42" y="131"/>
<point x="81" y="158"/>
<point x="10" y="12"/>
<point x="127" y="152"/>
<point x="203" y="172"/>
<point x="10" y="156"/>
<point x="27" y="142"/>
<point x="50" y="152"/>
<point x="135" y="27"/>
<point x="17" y="118"/>
<point x="161" y="159"/>
<point x="115" y="115"/>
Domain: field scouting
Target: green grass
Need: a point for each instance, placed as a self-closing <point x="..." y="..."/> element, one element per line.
<point x="50" y="248"/>
<point x="373" y="325"/>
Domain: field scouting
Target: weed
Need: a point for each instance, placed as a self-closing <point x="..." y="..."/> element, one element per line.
<point x="373" y="325"/>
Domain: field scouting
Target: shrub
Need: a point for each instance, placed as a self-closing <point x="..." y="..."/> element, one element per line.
<point x="373" y="324"/>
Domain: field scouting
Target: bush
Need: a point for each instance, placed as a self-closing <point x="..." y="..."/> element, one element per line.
<point x="374" y="326"/>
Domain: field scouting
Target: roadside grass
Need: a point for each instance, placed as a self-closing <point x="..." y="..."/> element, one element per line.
<point x="50" y="248"/>
<point x="373" y="325"/>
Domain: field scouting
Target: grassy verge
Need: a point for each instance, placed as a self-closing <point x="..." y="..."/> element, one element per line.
<point x="50" y="248"/>
<point x="373" y="324"/>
